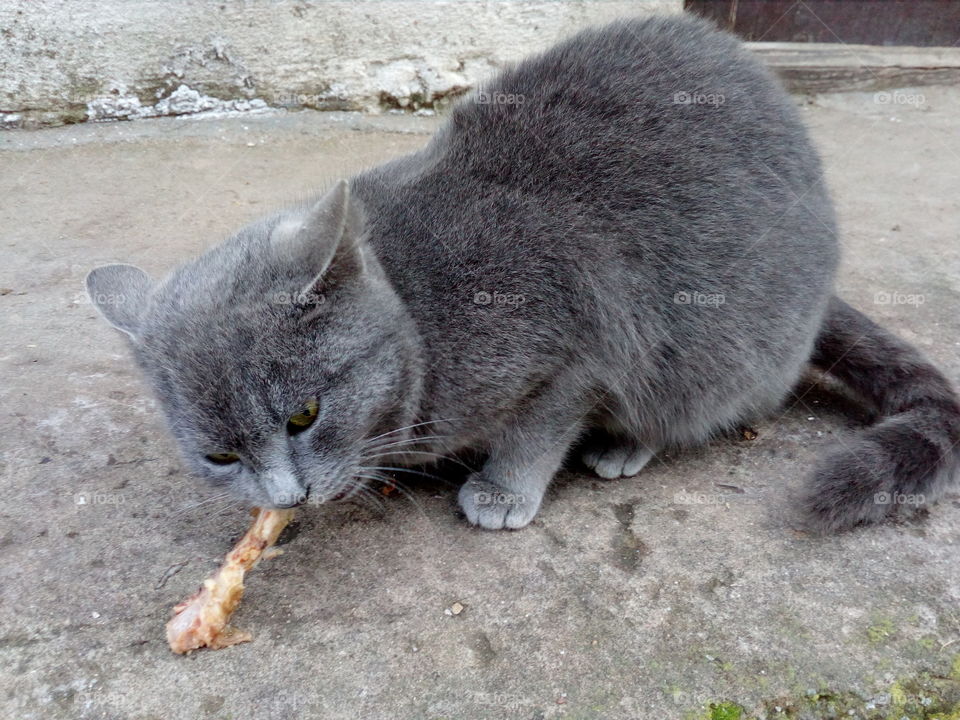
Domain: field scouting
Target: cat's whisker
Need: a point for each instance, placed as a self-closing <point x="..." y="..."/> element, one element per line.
<point x="405" y="470"/>
<point x="409" y="496"/>
<point x="399" y="444"/>
<point x="365" y="495"/>
<point x="219" y="497"/>
<point x="410" y="427"/>
<point x="378" y="474"/>
<point x="438" y="457"/>
<point x="376" y="478"/>
<point x="210" y="506"/>
<point x="405" y="441"/>
<point x="371" y="494"/>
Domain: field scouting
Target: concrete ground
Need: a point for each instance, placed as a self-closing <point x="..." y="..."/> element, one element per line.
<point x="682" y="593"/>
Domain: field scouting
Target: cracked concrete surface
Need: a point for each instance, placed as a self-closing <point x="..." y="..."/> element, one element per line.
<point x="682" y="593"/>
<point x="64" y="62"/>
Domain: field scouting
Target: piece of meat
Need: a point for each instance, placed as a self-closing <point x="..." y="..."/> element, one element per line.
<point x="201" y="620"/>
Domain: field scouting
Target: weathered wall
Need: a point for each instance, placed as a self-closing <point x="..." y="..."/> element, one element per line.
<point x="70" y="60"/>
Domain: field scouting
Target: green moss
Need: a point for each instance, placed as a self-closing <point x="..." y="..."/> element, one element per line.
<point x="933" y="695"/>
<point x="897" y="696"/>
<point x="925" y="697"/>
<point x="725" y="711"/>
<point x="881" y="630"/>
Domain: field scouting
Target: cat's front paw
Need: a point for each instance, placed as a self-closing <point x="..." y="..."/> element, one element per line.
<point x="493" y="507"/>
<point x="611" y="459"/>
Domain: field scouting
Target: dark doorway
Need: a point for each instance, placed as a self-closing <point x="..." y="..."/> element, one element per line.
<point x="866" y="22"/>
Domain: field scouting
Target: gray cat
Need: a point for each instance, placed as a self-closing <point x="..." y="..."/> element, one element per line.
<point x="623" y="245"/>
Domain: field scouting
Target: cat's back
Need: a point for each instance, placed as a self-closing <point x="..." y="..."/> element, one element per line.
<point x="657" y="155"/>
<point x="665" y="97"/>
<point x="663" y="135"/>
<point x="600" y="181"/>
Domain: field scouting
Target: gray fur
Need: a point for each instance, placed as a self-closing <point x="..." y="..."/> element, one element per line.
<point x="578" y="255"/>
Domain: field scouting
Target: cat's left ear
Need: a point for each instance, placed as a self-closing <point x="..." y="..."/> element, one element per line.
<point x="120" y="293"/>
<point x="327" y="241"/>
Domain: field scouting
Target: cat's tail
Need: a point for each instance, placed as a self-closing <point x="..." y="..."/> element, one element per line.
<point x="908" y="458"/>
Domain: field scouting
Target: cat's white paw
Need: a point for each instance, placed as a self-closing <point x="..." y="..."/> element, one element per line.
<point x="616" y="461"/>
<point x="494" y="508"/>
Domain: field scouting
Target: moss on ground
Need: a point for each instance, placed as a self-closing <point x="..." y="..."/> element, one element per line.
<point x="925" y="696"/>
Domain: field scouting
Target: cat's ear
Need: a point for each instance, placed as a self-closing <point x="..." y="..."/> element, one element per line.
<point x="120" y="293"/>
<point x="327" y="241"/>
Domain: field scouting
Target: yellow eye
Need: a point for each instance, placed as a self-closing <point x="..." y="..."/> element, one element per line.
<point x="223" y="458"/>
<point x="303" y="418"/>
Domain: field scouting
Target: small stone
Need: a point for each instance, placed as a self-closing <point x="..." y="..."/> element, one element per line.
<point x="456" y="608"/>
<point x="95" y="615"/>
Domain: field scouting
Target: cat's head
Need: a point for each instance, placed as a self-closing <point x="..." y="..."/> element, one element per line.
<point x="278" y="356"/>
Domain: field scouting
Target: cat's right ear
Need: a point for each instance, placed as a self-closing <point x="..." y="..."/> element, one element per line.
<point x="120" y="293"/>
<point x="326" y="240"/>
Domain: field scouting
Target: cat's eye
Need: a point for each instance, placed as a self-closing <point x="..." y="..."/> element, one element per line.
<point x="223" y="458"/>
<point x="304" y="417"/>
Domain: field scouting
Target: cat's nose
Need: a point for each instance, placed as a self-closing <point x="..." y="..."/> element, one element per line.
<point x="283" y="503"/>
<point x="283" y="489"/>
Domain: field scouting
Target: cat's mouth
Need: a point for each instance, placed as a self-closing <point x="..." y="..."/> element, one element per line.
<point x="343" y="495"/>
<point x="357" y="483"/>
<point x="347" y="490"/>
<point x="381" y="485"/>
